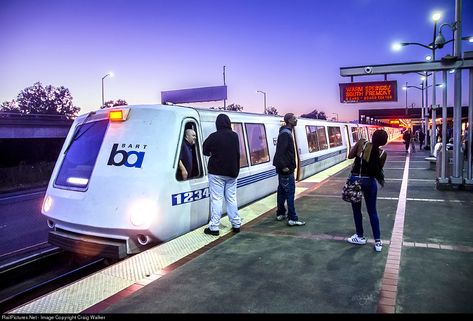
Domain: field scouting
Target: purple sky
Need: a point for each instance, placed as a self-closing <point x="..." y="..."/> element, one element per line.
<point x="291" y="49"/>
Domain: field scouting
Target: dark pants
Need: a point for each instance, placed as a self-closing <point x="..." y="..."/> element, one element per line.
<point x="370" y="191"/>
<point x="286" y="192"/>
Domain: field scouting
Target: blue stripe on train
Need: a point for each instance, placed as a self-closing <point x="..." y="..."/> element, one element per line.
<point x="268" y="174"/>
<point x="320" y="158"/>
<point x="255" y="178"/>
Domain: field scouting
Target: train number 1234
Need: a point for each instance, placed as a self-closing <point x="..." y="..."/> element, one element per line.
<point x="191" y="196"/>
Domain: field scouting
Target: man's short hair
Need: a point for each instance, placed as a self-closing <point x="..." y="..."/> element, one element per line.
<point x="288" y="117"/>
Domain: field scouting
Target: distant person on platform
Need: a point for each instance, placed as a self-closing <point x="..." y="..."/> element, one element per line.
<point x="285" y="163"/>
<point x="421" y="139"/>
<point x="186" y="156"/>
<point x="407" y="139"/>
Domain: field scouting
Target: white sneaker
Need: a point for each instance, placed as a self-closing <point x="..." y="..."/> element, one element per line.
<point x="295" y="223"/>
<point x="378" y="246"/>
<point x="355" y="239"/>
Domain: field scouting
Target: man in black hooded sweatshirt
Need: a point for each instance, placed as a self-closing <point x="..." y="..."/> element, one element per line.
<point x="223" y="147"/>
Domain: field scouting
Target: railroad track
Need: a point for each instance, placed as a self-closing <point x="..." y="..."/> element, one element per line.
<point x="31" y="278"/>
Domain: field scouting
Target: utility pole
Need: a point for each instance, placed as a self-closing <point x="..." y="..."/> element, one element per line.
<point x="224" y="101"/>
<point x="456" y="178"/>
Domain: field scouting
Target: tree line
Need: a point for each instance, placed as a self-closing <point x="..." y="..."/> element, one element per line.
<point x="39" y="99"/>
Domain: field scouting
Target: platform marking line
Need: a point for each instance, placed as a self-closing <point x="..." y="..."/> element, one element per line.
<point x="389" y="282"/>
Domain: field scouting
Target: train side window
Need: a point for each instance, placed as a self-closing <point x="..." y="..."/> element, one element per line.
<point x="322" y="137"/>
<point x="312" y="141"/>
<point x="354" y="134"/>
<point x="257" y="143"/>
<point x="238" y="128"/>
<point x="334" y="136"/>
<point x="189" y="164"/>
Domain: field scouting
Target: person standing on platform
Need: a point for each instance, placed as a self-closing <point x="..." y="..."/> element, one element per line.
<point x="371" y="159"/>
<point x="285" y="163"/>
<point x="407" y="139"/>
<point x="223" y="147"/>
<point x="413" y="144"/>
<point x="421" y="139"/>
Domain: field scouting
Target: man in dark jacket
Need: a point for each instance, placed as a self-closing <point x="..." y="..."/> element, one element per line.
<point x="285" y="163"/>
<point x="223" y="147"/>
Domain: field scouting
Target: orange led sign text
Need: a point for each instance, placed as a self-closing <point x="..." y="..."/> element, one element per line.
<point x="367" y="92"/>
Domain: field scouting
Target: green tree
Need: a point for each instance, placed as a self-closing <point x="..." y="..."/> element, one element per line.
<point x="113" y="103"/>
<point x="235" y="107"/>
<point x="9" y="107"/>
<point x="271" y="111"/>
<point x="315" y="114"/>
<point x="38" y="99"/>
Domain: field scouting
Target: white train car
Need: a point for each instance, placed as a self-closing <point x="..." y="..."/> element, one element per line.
<point x="115" y="190"/>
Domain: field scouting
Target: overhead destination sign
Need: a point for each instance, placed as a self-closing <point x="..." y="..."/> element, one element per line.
<point x="367" y="92"/>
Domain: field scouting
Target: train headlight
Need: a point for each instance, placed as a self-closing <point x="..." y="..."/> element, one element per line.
<point x="142" y="212"/>
<point x="47" y="203"/>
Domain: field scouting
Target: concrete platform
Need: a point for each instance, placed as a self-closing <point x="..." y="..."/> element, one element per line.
<point x="426" y="265"/>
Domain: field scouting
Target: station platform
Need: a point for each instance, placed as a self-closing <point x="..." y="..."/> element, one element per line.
<point x="426" y="265"/>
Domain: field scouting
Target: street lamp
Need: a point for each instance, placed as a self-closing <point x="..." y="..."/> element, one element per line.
<point x="262" y="92"/>
<point x="103" y="97"/>
<point x="421" y="88"/>
<point x="336" y="114"/>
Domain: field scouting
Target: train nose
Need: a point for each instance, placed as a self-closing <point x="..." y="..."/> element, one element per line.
<point x="143" y="239"/>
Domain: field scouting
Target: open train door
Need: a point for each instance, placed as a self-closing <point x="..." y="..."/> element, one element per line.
<point x="298" y="152"/>
<point x="347" y="135"/>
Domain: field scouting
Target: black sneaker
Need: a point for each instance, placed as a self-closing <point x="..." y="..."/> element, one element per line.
<point x="236" y="229"/>
<point x="210" y="232"/>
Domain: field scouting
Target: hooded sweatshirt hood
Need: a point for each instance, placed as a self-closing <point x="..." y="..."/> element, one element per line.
<point x="223" y="122"/>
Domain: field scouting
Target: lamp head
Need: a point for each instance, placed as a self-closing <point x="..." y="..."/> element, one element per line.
<point x="439" y="40"/>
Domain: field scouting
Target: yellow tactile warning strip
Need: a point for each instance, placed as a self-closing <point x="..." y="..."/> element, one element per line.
<point x="131" y="274"/>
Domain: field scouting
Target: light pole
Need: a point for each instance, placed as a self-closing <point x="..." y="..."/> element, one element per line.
<point x="224" y="83"/>
<point x="264" y="94"/>
<point x="336" y="114"/>
<point x="421" y="88"/>
<point x="103" y="96"/>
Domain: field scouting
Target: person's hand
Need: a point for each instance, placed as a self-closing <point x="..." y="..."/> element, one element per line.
<point x="381" y="182"/>
<point x="285" y="170"/>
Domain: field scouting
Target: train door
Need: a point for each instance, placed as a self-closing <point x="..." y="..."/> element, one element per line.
<point x="298" y="153"/>
<point x="347" y="133"/>
<point x="194" y="187"/>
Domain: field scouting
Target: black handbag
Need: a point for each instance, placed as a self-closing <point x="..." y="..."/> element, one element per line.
<point x="351" y="191"/>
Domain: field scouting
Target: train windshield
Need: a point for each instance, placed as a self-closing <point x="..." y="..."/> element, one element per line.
<point x="80" y="155"/>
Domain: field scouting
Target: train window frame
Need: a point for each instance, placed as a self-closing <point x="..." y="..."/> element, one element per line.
<point x="312" y="137"/>
<point x="325" y="144"/>
<point x="196" y="153"/>
<point x="334" y="136"/>
<point x="241" y="139"/>
<point x="355" y="134"/>
<point x="70" y="164"/>
<point x="265" y="147"/>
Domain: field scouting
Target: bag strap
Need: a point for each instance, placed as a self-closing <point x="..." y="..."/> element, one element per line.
<point x="361" y="155"/>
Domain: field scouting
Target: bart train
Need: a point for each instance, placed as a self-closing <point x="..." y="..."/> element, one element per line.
<point x="115" y="191"/>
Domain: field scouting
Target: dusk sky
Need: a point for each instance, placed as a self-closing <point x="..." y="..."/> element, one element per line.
<point x="291" y="49"/>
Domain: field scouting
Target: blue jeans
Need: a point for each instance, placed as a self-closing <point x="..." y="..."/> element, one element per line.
<point x="370" y="191"/>
<point x="286" y="192"/>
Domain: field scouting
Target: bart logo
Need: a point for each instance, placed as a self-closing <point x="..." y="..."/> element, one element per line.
<point x="130" y="158"/>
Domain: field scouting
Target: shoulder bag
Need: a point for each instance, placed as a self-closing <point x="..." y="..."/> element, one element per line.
<point x="351" y="191"/>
